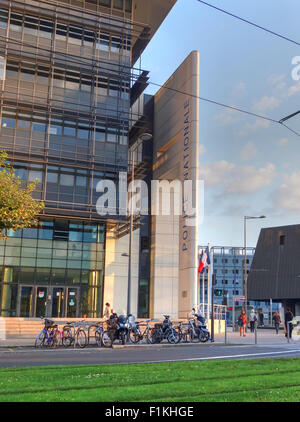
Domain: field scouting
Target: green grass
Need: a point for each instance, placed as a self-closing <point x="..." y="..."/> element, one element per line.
<point x="206" y="381"/>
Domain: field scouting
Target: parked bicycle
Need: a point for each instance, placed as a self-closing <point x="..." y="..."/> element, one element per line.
<point x="164" y="331"/>
<point x="102" y="337"/>
<point x="49" y="336"/>
<point x="135" y="333"/>
<point x="73" y="333"/>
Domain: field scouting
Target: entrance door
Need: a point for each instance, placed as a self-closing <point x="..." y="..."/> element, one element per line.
<point x="26" y="301"/>
<point x="41" y="302"/>
<point x="72" y="302"/>
<point x="58" y="302"/>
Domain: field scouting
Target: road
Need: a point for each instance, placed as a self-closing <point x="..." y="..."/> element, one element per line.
<point x="21" y="357"/>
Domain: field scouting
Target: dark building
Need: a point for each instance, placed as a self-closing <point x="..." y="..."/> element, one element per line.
<point x="275" y="269"/>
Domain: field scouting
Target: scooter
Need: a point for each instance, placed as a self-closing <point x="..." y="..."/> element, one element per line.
<point x="204" y="333"/>
<point x="118" y="327"/>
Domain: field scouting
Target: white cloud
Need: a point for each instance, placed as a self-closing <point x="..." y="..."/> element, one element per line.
<point x="228" y="117"/>
<point x="282" y="142"/>
<point x="287" y="196"/>
<point x="266" y="103"/>
<point x="294" y="89"/>
<point x="249" y="151"/>
<point x="233" y="180"/>
<point x="201" y="149"/>
<point x="276" y="78"/>
<point x="214" y="174"/>
<point x="253" y="127"/>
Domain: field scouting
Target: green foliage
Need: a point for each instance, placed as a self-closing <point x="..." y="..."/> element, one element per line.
<point x="17" y="207"/>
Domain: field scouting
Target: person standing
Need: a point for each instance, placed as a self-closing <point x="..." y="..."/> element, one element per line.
<point x="252" y="319"/>
<point x="277" y="321"/>
<point x="288" y="322"/>
<point x="107" y="311"/>
<point x="261" y="319"/>
<point x="242" y="323"/>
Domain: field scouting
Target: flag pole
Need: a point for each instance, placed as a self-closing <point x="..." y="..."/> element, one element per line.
<point x="208" y="287"/>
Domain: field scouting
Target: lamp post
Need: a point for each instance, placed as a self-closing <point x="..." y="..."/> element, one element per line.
<point x="143" y="137"/>
<point x="245" y="257"/>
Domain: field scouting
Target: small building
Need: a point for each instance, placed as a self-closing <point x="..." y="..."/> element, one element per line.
<point x="275" y="269"/>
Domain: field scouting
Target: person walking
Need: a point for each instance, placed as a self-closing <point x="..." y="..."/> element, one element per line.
<point x="252" y="319"/>
<point x="288" y="322"/>
<point x="277" y="321"/>
<point x="261" y="319"/>
<point x="242" y="323"/>
<point x="107" y="311"/>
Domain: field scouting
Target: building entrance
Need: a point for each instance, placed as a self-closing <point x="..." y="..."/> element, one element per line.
<point x="54" y="302"/>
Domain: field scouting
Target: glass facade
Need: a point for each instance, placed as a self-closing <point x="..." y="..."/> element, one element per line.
<point x="60" y="259"/>
<point x="65" y="79"/>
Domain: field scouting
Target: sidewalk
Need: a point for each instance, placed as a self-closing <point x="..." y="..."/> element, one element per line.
<point x="264" y="338"/>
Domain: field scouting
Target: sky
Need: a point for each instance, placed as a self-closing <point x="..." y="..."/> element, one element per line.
<point x="250" y="166"/>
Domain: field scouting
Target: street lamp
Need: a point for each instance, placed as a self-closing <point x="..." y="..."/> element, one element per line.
<point x="142" y="138"/>
<point x="246" y="217"/>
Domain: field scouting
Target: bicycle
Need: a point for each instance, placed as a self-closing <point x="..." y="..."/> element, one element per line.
<point x="102" y="337"/>
<point x="73" y="333"/>
<point x="49" y="336"/>
<point x="135" y="333"/>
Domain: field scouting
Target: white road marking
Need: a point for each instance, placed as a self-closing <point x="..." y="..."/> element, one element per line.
<point x="221" y="357"/>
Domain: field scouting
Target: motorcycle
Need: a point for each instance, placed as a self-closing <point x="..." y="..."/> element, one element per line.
<point x="204" y="334"/>
<point x="164" y="331"/>
<point x="118" y="327"/>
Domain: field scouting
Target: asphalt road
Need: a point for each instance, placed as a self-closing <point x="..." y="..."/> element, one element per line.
<point x="22" y="357"/>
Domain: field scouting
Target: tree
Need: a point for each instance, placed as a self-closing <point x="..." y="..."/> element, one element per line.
<point x="17" y="207"/>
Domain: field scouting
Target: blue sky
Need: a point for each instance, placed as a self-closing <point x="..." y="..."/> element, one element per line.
<point x="250" y="166"/>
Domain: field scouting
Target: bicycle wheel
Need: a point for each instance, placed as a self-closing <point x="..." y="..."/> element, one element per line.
<point x="40" y="339"/>
<point x="151" y="336"/>
<point x="173" y="337"/>
<point x="135" y="335"/>
<point x="195" y="335"/>
<point x="57" y="339"/>
<point x="81" y="338"/>
<point x="98" y="337"/>
<point x="106" y="340"/>
<point x="204" y="336"/>
<point x="67" y="338"/>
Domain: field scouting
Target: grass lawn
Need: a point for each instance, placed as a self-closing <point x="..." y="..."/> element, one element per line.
<point x="206" y="381"/>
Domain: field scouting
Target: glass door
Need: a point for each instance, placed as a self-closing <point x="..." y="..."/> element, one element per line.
<point x="72" y="302"/>
<point x="58" y="297"/>
<point x="26" y="303"/>
<point x="41" y="302"/>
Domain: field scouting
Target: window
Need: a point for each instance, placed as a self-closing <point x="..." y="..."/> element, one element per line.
<point x="8" y="122"/>
<point x="282" y="240"/>
<point x="3" y="18"/>
<point x="75" y="35"/>
<point x="103" y="43"/>
<point x="66" y="180"/>
<point x="61" y="32"/>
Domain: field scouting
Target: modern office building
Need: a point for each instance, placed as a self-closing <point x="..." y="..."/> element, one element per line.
<point x="275" y="270"/>
<point x="227" y="264"/>
<point x="68" y="81"/>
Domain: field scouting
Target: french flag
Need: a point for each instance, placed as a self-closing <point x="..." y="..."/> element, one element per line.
<point x="204" y="260"/>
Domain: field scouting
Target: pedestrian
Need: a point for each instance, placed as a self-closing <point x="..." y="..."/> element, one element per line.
<point x="288" y="322"/>
<point x="277" y="321"/>
<point x="242" y="320"/>
<point x="261" y="319"/>
<point x="252" y="319"/>
<point x="107" y="311"/>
